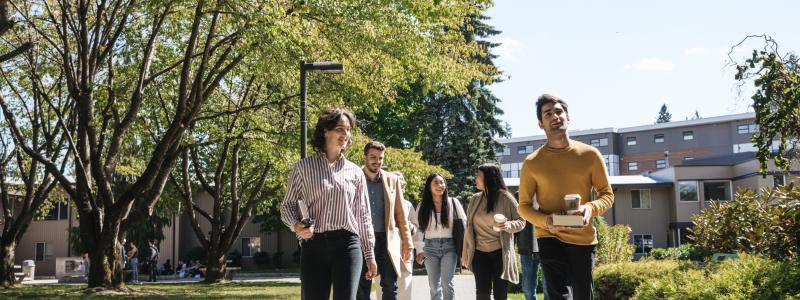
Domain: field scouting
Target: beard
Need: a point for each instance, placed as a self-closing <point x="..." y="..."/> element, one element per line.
<point x="373" y="169"/>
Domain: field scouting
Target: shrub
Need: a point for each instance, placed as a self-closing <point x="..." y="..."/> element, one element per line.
<point x="261" y="259"/>
<point x="768" y="224"/>
<point x="613" y="245"/>
<point x="620" y="280"/>
<point x="683" y="252"/>
<point x="749" y="277"/>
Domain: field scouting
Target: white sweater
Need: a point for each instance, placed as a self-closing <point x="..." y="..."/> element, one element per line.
<point x="435" y="230"/>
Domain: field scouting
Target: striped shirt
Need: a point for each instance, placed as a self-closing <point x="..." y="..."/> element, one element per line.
<point x="336" y="196"/>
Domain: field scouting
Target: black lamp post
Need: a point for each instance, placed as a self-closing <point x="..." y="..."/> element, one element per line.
<point x="316" y="67"/>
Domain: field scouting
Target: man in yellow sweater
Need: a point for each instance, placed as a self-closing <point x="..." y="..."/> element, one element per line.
<point x="562" y="167"/>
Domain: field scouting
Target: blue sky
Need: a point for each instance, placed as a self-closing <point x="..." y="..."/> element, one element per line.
<point x="616" y="62"/>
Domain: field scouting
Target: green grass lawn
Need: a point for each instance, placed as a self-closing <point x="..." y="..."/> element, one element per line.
<point x="520" y="296"/>
<point x="261" y="290"/>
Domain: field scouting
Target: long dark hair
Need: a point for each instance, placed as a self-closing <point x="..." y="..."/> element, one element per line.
<point x="492" y="184"/>
<point x="426" y="209"/>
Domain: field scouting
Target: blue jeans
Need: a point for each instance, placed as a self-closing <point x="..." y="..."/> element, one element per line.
<point x="134" y="269"/>
<point x="440" y="262"/>
<point x="530" y="276"/>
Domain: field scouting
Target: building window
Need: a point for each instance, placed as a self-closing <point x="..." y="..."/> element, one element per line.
<point x="746" y="147"/>
<point x="41" y="251"/>
<point x="631" y="140"/>
<point x="643" y="243"/>
<point x="504" y="152"/>
<point x="658" y="138"/>
<point x="599" y="142"/>
<point x="717" y="190"/>
<point x="250" y="246"/>
<point x="59" y="211"/>
<point x="688" y="190"/>
<point x="640" y="199"/>
<point x="633" y="166"/>
<point x="688" y="135"/>
<point x="778" y="180"/>
<point x="524" y="149"/>
<point x="511" y="170"/>
<point x="747" y="128"/>
<point x="661" y="163"/>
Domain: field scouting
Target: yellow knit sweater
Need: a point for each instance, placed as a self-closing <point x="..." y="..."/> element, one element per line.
<point x="548" y="174"/>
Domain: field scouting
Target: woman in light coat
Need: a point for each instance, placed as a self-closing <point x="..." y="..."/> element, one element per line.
<point x="489" y="240"/>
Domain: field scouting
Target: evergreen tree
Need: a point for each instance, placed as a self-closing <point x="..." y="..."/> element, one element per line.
<point x="455" y="131"/>
<point x="663" y="115"/>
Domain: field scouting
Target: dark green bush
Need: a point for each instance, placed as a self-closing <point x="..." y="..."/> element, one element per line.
<point x="749" y="277"/>
<point x="621" y="280"/>
<point x="262" y="259"/>
<point x="766" y="224"/>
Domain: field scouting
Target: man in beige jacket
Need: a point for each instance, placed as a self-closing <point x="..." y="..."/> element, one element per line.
<point x="392" y="234"/>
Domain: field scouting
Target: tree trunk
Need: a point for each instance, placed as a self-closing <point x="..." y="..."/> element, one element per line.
<point x="215" y="266"/>
<point x="105" y="259"/>
<point x="7" y="278"/>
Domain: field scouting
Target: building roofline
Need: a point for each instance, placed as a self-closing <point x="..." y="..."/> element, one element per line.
<point x="544" y="137"/>
<point x="676" y="124"/>
<point x="701" y="121"/>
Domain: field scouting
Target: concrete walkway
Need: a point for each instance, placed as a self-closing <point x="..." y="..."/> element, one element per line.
<point x="464" y="286"/>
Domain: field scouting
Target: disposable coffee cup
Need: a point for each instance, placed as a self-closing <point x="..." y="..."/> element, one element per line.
<point x="571" y="202"/>
<point x="499" y="219"/>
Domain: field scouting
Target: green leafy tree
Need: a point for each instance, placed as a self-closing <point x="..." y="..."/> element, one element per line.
<point x="142" y="73"/>
<point x="664" y="116"/>
<point x="26" y="189"/>
<point x="776" y="102"/>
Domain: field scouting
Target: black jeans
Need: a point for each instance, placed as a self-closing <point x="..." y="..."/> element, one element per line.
<point x="487" y="268"/>
<point x="568" y="269"/>
<point x="385" y="268"/>
<point x="332" y="257"/>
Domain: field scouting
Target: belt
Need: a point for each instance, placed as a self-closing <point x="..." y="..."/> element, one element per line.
<point x="334" y="234"/>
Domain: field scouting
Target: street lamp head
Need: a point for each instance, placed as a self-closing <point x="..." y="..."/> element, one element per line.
<point x="330" y="67"/>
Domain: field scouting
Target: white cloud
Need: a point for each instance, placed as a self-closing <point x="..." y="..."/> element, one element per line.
<point x="509" y="48"/>
<point x="652" y="65"/>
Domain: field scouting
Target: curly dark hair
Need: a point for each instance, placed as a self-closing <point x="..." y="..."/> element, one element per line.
<point x="328" y="121"/>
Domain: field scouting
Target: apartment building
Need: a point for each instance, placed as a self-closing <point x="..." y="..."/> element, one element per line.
<point x="663" y="174"/>
<point x="47" y="238"/>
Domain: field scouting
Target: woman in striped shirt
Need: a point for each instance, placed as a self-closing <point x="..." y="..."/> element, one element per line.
<point x="334" y="189"/>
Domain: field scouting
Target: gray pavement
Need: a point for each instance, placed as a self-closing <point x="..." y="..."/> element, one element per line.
<point x="464" y="286"/>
